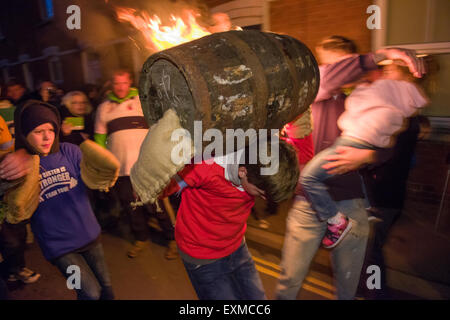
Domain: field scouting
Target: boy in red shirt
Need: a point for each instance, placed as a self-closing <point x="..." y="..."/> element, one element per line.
<point x="217" y="197"/>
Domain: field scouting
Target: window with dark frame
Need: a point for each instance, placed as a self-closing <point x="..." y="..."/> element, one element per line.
<point x="46" y="10"/>
<point x="2" y="36"/>
<point x="56" y="72"/>
<point x="5" y="74"/>
<point x="253" y="27"/>
<point x="421" y="25"/>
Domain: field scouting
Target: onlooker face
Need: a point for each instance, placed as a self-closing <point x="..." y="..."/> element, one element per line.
<point x="46" y="87"/>
<point x="15" y="92"/>
<point x="329" y="56"/>
<point x="42" y="138"/>
<point x="221" y="23"/>
<point x="394" y="72"/>
<point x="78" y="105"/>
<point x="93" y="93"/>
<point x="373" y="75"/>
<point x="121" y="85"/>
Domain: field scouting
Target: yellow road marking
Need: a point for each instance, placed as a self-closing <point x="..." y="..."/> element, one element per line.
<point x="322" y="293"/>
<point x="305" y="286"/>
<point x="309" y="279"/>
<point x="321" y="283"/>
<point x="267" y="263"/>
<point x="267" y="271"/>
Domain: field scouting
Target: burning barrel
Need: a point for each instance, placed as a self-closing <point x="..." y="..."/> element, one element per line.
<point x="230" y="80"/>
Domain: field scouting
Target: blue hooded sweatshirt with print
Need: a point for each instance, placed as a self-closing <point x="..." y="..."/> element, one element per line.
<point x="64" y="220"/>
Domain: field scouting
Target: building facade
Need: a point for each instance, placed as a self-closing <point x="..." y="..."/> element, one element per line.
<point x="36" y="44"/>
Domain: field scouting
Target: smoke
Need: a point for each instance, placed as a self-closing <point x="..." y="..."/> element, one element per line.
<point x="165" y="8"/>
<point x="108" y="41"/>
<point x="100" y="23"/>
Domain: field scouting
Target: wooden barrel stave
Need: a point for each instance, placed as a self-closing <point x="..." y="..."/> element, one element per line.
<point x="236" y="79"/>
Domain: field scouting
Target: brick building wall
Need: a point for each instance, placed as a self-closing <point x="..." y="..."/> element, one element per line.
<point x="311" y="20"/>
<point x="306" y="20"/>
<point x="25" y="33"/>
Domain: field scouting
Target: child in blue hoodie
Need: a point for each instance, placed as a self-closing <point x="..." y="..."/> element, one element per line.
<point x="64" y="223"/>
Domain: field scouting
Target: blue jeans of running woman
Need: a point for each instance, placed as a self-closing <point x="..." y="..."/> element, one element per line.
<point x="95" y="279"/>
<point x="233" y="277"/>
<point x="313" y="178"/>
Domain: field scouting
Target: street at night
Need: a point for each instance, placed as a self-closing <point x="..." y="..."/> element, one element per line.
<point x="152" y="277"/>
<point x="214" y="150"/>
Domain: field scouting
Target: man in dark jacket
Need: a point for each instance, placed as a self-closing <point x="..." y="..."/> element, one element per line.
<point x="386" y="191"/>
<point x="340" y="66"/>
<point x="13" y="166"/>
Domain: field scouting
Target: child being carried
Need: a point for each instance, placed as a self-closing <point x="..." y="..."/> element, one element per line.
<point x="373" y="115"/>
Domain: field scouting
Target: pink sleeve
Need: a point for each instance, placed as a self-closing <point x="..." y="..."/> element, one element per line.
<point x="334" y="76"/>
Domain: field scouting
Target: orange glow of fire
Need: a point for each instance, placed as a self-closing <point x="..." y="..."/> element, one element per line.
<point x="181" y="30"/>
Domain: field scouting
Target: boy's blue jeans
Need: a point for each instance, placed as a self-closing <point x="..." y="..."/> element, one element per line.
<point x="313" y="178"/>
<point x="95" y="279"/>
<point x="233" y="277"/>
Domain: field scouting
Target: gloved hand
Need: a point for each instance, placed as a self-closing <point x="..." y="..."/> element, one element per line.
<point x="99" y="167"/>
<point x="20" y="201"/>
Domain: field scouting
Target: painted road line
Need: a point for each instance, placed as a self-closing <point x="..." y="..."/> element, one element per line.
<point x="321" y="283"/>
<point x="312" y="280"/>
<point x="305" y="286"/>
<point x="267" y="263"/>
<point x="320" y="292"/>
<point x="267" y="271"/>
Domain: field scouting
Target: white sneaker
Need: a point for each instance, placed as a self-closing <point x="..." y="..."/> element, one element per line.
<point x="25" y="275"/>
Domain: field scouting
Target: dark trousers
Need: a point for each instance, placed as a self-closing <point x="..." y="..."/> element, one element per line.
<point x="233" y="277"/>
<point x="138" y="217"/>
<point x="379" y="231"/>
<point x="95" y="281"/>
<point x="3" y="290"/>
<point x="12" y="246"/>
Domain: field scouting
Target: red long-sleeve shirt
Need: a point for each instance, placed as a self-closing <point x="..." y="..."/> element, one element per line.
<point x="211" y="219"/>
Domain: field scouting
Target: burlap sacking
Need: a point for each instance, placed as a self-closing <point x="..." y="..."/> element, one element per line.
<point x="99" y="167"/>
<point x="154" y="168"/>
<point x="22" y="200"/>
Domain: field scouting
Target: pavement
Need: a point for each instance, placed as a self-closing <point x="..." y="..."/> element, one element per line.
<point x="417" y="254"/>
<point x="417" y="259"/>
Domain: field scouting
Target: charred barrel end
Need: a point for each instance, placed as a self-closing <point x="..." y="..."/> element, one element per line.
<point x="234" y="79"/>
<point x="145" y="90"/>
